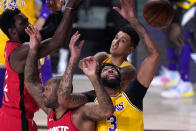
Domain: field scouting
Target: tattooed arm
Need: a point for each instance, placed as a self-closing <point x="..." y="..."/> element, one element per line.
<point x="65" y="96"/>
<point x="104" y="108"/>
<point x="31" y="73"/>
<point x="149" y="65"/>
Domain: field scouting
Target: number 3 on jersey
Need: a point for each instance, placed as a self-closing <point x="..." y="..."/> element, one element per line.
<point x="112" y="120"/>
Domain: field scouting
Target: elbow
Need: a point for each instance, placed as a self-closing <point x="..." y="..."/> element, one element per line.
<point x="156" y="55"/>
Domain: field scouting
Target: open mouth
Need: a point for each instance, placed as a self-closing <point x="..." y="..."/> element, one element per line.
<point x="111" y="77"/>
<point x="114" y="47"/>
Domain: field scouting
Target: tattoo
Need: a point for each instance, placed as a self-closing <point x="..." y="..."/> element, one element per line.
<point x="103" y="97"/>
<point x="32" y="80"/>
<point x="66" y="87"/>
<point x="31" y="69"/>
<point x="150" y="63"/>
<point x="101" y="110"/>
<point x="68" y="99"/>
<point x="145" y="37"/>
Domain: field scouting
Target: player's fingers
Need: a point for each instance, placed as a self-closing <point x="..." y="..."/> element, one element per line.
<point x="33" y="29"/>
<point x="74" y="35"/>
<point x="29" y="30"/>
<point x="85" y="64"/>
<point x="117" y="9"/>
<point x="81" y="44"/>
<point x="62" y="3"/>
<point x="80" y="64"/>
<point x="74" y="40"/>
<point x="129" y="2"/>
<point x="77" y="32"/>
<point x="123" y="2"/>
<point x="30" y="27"/>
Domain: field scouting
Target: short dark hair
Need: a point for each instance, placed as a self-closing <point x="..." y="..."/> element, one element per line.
<point x="132" y="33"/>
<point x="7" y="20"/>
<point x="108" y="64"/>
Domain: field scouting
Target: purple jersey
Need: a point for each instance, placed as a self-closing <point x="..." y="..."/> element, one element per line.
<point x="45" y="12"/>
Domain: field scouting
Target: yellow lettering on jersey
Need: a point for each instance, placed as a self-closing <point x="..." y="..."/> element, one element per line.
<point x="186" y="4"/>
<point x="125" y="117"/>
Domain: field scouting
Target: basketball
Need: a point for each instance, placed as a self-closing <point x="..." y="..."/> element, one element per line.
<point x="158" y="13"/>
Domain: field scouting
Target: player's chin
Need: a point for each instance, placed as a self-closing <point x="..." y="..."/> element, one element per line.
<point x="45" y="101"/>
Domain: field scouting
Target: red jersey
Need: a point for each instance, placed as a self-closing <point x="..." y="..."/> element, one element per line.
<point x="65" y="123"/>
<point x="16" y="101"/>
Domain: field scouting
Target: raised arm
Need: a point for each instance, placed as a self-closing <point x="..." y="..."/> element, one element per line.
<point x="18" y="56"/>
<point x="104" y="108"/>
<point x="65" y="96"/>
<point x="149" y="65"/>
<point x="31" y="73"/>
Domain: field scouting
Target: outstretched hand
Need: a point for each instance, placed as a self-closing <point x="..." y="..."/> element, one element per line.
<point x="75" y="50"/>
<point x="89" y="66"/>
<point x="127" y="10"/>
<point x="35" y="37"/>
<point x="55" y="5"/>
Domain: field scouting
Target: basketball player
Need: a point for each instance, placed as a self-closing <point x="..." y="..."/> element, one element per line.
<point x="18" y="106"/>
<point x="27" y="8"/>
<point x="128" y="104"/>
<point x="124" y="43"/>
<point x="58" y="91"/>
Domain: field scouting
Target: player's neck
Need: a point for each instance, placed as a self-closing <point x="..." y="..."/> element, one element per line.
<point x="113" y="91"/>
<point x="59" y="112"/>
<point x="117" y="60"/>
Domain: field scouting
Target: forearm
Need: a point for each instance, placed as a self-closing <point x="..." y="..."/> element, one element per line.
<point x="145" y="37"/>
<point x="31" y="69"/>
<point x="32" y="80"/>
<point x="65" y="90"/>
<point x="104" y="100"/>
<point x="66" y="86"/>
<point x="150" y="63"/>
<point x="60" y="36"/>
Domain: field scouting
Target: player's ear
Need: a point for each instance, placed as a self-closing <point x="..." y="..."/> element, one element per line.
<point x="131" y="49"/>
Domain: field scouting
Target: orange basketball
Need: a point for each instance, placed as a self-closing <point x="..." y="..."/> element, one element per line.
<point x="158" y="13"/>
